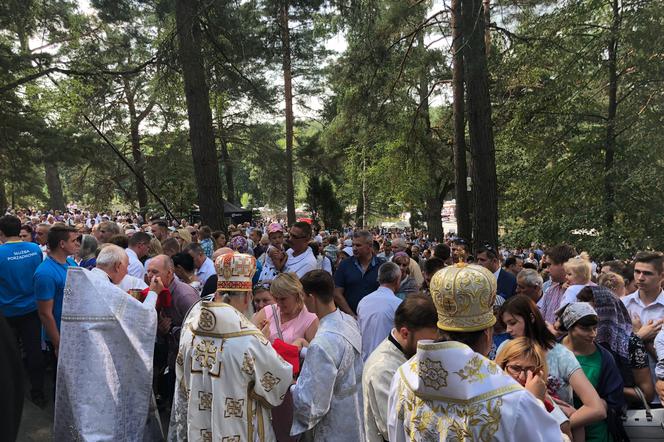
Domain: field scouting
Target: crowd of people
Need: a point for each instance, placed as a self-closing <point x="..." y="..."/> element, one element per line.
<point x="268" y="332"/>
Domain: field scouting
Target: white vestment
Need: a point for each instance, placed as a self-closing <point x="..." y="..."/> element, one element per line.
<point x="228" y="378"/>
<point x="131" y="282"/>
<point x="104" y="381"/>
<point x="327" y="398"/>
<point x="447" y="392"/>
<point x="379" y="370"/>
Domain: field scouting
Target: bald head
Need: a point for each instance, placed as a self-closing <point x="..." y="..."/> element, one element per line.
<point x="161" y="266"/>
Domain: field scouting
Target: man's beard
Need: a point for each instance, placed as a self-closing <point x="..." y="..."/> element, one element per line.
<point x="410" y="348"/>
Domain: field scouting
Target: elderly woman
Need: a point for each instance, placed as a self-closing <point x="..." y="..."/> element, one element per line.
<point x="408" y="284"/>
<point x="88" y="252"/>
<point x="288" y="319"/>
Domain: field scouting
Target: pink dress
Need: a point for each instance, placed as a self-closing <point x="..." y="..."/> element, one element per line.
<point x="291" y="330"/>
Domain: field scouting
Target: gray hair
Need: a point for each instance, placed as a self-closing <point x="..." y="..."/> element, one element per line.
<point x="365" y="235"/>
<point x="195" y="248"/>
<point x="399" y="243"/>
<point x="530" y="278"/>
<point x="110" y="255"/>
<point x="389" y="272"/>
<point x="88" y="247"/>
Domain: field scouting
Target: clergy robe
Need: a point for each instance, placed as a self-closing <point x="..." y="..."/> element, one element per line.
<point x="228" y="377"/>
<point x="327" y="399"/>
<point x="104" y="380"/>
<point x="379" y="370"/>
<point x="449" y="392"/>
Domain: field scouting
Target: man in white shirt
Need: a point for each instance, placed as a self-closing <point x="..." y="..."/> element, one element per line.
<point x="300" y="257"/>
<point x="204" y="265"/>
<point x="375" y="312"/>
<point x="647" y="303"/>
<point x="415" y="319"/>
<point x="139" y="244"/>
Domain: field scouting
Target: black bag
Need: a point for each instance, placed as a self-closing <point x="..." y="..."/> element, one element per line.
<point x="644" y="425"/>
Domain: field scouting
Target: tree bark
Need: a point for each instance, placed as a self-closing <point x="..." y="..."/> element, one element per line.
<point x="288" y="97"/>
<point x="3" y="197"/>
<point x="482" y="150"/>
<point x="136" y="152"/>
<point x="462" y="210"/>
<point x="610" y="146"/>
<point x="56" y="199"/>
<point x="434" y="207"/>
<point x="228" y="168"/>
<point x="201" y="133"/>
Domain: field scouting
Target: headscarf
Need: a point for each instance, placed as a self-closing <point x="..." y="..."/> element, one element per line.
<point x="615" y="325"/>
<point x="239" y="243"/>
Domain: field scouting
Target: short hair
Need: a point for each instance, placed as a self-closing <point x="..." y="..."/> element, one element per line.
<point x="432" y="265"/>
<point x="89" y="247"/>
<point x="184" y="260"/>
<point x="110" y="255"/>
<point x="471" y="339"/>
<point x="399" y="243"/>
<point x="656" y="259"/>
<point x="580" y="266"/>
<point x="195" y="248"/>
<point x="615" y="265"/>
<point x="169" y="245"/>
<point x="364" y="235"/>
<point x="525" y="348"/>
<point x="57" y="234"/>
<point x="320" y="284"/>
<point x="204" y="232"/>
<point x="442" y="251"/>
<point x="561" y="253"/>
<point x="10" y="225"/>
<point x="110" y="226"/>
<point x="305" y="227"/>
<point x="287" y="284"/>
<point x="530" y="278"/>
<point x="510" y="261"/>
<point x="416" y="312"/>
<point x="530" y="265"/>
<point x="121" y="240"/>
<point x="139" y="238"/>
<point x="490" y="251"/>
<point x="160" y="223"/>
<point x="389" y="272"/>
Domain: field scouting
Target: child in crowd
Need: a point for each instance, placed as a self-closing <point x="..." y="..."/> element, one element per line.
<point x="578" y="274"/>
<point x="274" y="259"/>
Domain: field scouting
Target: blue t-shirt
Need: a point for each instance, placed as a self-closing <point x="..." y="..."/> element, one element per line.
<point x="18" y="262"/>
<point x="49" y="282"/>
<point x="356" y="284"/>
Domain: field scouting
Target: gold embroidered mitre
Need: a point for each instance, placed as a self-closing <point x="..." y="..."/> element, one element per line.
<point x="464" y="295"/>
<point x="234" y="272"/>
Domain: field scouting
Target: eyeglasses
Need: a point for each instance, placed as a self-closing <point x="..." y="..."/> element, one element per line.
<point x="517" y="370"/>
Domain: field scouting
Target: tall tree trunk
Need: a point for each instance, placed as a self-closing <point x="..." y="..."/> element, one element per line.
<point x="482" y="150"/>
<point x="228" y="168"/>
<point x="288" y="97"/>
<point x="56" y="200"/>
<point x="462" y="210"/>
<point x="3" y="196"/>
<point x="610" y="147"/>
<point x="136" y="152"/>
<point x="206" y="167"/>
<point x="434" y="207"/>
<point x="359" y="212"/>
<point x="486" y="7"/>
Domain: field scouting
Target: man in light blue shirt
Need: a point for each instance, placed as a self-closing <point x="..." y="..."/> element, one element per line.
<point x="375" y="312"/>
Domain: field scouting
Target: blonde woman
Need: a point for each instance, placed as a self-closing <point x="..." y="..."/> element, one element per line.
<point x="288" y="319"/>
<point x="525" y="361"/>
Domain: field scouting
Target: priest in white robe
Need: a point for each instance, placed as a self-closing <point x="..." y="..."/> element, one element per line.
<point x="327" y="398"/>
<point x="449" y="390"/>
<point x="414" y="319"/>
<point x="104" y="380"/>
<point x="228" y="376"/>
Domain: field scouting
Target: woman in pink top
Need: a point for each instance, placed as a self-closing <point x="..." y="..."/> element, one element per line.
<point x="288" y="319"/>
